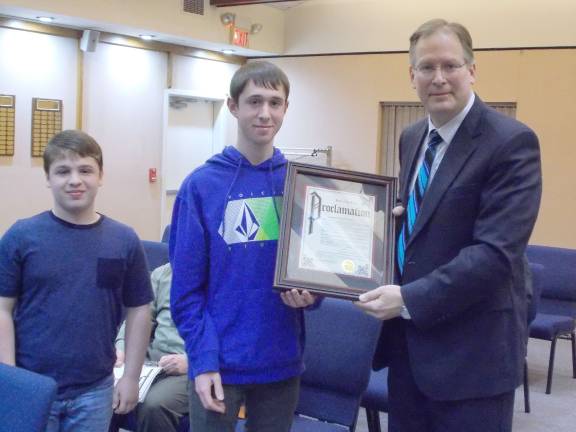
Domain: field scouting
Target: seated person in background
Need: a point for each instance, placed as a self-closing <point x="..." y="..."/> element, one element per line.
<point x="167" y="400"/>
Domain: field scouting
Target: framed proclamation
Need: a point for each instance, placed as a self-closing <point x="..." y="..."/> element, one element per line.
<point x="337" y="231"/>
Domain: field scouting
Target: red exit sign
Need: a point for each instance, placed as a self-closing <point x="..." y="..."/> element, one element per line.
<point x="239" y="37"/>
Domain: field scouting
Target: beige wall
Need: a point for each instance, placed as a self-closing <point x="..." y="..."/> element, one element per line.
<point x="334" y="26"/>
<point x="23" y="189"/>
<point x="123" y="103"/>
<point x="123" y="94"/>
<point x="320" y="26"/>
<point x="335" y="101"/>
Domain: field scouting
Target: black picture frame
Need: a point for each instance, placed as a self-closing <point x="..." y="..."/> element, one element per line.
<point x="377" y="261"/>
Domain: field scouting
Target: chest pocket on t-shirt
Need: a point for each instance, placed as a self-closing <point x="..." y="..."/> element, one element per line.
<point x="111" y="273"/>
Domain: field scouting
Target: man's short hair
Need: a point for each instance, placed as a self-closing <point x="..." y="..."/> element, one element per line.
<point x="441" y="25"/>
<point x="262" y="74"/>
<point x="71" y="141"/>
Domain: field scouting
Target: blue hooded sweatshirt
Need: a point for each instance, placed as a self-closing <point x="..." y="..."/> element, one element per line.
<point x="223" y="242"/>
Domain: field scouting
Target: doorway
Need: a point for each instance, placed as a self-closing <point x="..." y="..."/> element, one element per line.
<point x="196" y="126"/>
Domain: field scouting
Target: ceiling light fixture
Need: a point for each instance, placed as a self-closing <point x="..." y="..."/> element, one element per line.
<point x="45" y="19"/>
<point x="146" y="37"/>
<point x="228" y="51"/>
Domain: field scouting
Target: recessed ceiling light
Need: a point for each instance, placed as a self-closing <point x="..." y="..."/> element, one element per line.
<point x="45" y="19"/>
<point x="228" y="51"/>
<point x="146" y="37"/>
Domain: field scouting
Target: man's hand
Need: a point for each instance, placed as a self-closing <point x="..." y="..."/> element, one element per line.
<point x="208" y="385"/>
<point x="125" y="395"/>
<point x="384" y="302"/>
<point x="120" y="356"/>
<point x="298" y="298"/>
<point x="174" y="364"/>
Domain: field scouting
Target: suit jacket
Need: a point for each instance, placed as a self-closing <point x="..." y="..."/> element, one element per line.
<point x="463" y="280"/>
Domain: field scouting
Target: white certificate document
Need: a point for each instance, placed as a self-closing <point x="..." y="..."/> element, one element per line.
<point x="337" y="232"/>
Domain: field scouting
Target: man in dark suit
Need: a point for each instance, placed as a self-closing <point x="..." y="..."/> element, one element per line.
<point x="454" y="330"/>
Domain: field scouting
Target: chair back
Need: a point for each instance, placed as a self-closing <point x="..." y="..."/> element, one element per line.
<point x="558" y="278"/>
<point x="156" y="253"/>
<point x="26" y="398"/>
<point x="340" y="344"/>
<point x="166" y="234"/>
<point x="536" y="271"/>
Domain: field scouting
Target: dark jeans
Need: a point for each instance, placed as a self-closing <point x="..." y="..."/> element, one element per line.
<point x="269" y="407"/>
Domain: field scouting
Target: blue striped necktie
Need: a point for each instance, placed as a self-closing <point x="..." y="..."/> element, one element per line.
<point x="416" y="196"/>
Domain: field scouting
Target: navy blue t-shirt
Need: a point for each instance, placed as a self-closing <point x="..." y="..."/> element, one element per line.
<point x="70" y="282"/>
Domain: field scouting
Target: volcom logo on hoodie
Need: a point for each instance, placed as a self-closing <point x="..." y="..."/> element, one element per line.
<point x="251" y="219"/>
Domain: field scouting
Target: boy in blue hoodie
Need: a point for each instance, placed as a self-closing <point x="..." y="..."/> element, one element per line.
<point x="244" y="341"/>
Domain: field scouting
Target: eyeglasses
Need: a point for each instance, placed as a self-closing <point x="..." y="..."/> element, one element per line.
<point x="429" y="70"/>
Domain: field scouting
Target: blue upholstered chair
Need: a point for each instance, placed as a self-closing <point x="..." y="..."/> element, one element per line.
<point x="375" y="399"/>
<point x="556" y="314"/>
<point x="166" y="234"/>
<point x="25" y="400"/>
<point x="340" y="343"/>
<point x="156" y="253"/>
<point x="536" y="271"/>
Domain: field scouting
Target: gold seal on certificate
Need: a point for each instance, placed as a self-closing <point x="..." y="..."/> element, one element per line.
<point x="336" y="237"/>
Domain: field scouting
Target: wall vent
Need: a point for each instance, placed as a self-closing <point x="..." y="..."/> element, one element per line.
<point x="194" y="6"/>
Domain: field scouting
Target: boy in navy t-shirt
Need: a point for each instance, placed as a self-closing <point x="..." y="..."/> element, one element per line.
<point x="65" y="275"/>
